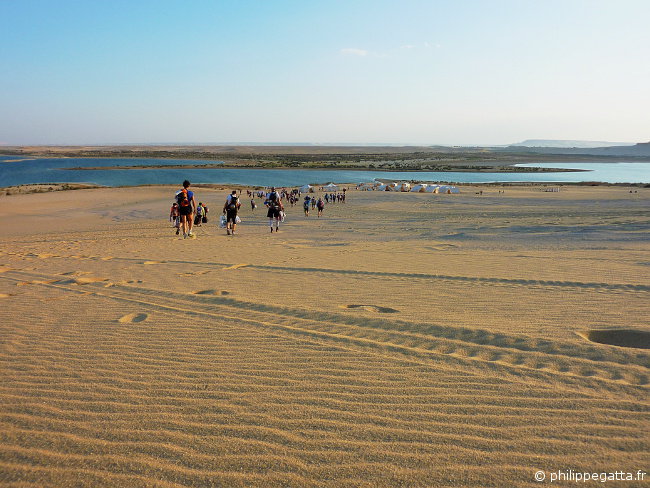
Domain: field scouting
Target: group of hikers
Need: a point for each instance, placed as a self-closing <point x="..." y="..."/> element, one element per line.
<point x="311" y="201"/>
<point x="185" y="213"/>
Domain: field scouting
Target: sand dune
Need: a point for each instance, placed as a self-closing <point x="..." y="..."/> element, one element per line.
<point x="401" y="340"/>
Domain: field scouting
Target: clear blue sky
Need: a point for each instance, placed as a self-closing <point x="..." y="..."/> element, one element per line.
<point x="369" y="71"/>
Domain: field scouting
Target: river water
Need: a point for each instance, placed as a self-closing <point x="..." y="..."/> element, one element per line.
<point x="52" y="170"/>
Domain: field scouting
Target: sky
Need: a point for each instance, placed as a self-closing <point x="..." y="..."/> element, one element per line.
<point x="449" y="72"/>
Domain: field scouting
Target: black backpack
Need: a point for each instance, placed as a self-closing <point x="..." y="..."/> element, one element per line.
<point x="233" y="202"/>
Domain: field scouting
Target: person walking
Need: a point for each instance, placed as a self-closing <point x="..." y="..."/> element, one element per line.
<point x="230" y="208"/>
<point x="204" y="217"/>
<point x="305" y="205"/>
<point x="199" y="215"/>
<point x="175" y="217"/>
<point x="320" y="205"/>
<point x="186" y="206"/>
<point x="274" y="203"/>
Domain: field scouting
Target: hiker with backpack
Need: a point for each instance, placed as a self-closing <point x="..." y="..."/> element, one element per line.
<point x="199" y="214"/>
<point x="204" y="216"/>
<point x="186" y="207"/>
<point x="320" y="205"/>
<point x="274" y="203"/>
<point x="305" y="205"/>
<point x="175" y="217"/>
<point x="230" y="208"/>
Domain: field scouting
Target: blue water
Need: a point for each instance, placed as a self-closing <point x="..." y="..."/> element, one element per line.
<point x="621" y="172"/>
<point x="50" y="171"/>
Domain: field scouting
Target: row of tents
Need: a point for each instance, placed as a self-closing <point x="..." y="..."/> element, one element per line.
<point x="310" y="189"/>
<point x="404" y="186"/>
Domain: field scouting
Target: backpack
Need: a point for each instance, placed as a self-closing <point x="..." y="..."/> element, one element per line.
<point x="233" y="203"/>
<point x="181" y="198"/>
<point x="273" y="199"/>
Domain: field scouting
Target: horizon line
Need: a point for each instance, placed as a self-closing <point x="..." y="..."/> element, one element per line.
<point x="344" y="144"/>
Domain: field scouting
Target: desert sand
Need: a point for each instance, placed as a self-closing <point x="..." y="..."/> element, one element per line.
<point x="401" y="340"/>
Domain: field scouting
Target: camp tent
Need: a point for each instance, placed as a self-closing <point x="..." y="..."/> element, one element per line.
<point x="419" y="188"/>
<point x="431" y="189"/>
<point x="404" y="187"/>
<point x="382" y="188"/>
<point x="366" y="186"/>
<point x="306" y="189"/>
<point x="331" y="187"/>
<point x="447" y="189"/>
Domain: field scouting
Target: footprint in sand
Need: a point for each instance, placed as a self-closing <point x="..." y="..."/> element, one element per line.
<point x="371" y="308"/>
<point x="198" y="273"/>
<point x="129" y="282"/>
<point x="133" y="318"/>
<point x="618" y="337"/>
<point x="80" y="281"/>
<point x="36" y="282"/>
<point x="6" y="295"/>
<point x="440" y="247"/>
<point x="211" y="292"/>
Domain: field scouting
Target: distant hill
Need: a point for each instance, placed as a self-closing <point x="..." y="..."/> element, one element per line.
<point x="637" y="150"/>
<point x="568" y="144"/>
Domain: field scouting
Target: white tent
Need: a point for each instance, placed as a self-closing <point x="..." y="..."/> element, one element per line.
<point x="331" y="187"/>
<point x="366" y="186"/>
<point x="382" y="188"/>
<point x="306" y="189"/>
<point x="447" y="189"/>
<point x="431" y="189"/>
<point x="419" y="188"/>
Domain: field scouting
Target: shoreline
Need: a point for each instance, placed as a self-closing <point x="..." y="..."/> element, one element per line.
<point x="407" y="158"/>
<point x="444" y="169"/>
<point x="30" y="188"/>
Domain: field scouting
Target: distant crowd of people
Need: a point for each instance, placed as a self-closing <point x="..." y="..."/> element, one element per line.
<point x="186" y="213"/>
